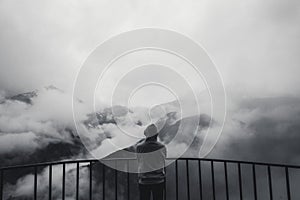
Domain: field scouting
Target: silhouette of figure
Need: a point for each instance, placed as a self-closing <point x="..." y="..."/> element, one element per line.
<point x="151" y="162"/>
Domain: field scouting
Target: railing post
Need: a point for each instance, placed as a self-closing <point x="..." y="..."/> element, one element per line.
<point x="116" y="181"/>
<point x="1" y="185"/>
<point x="77" y="180"/>
<point x="240" y="181"/>
<point x="103" y="181"/>
<point x="50" y="182"/>
<point x="176" y="176"/>
<point x="188" y="179"/>
<point x="270" y="182"/>
<point x="213" y="179"/>
<point x="254" y="181"/>
<point x="64" y="181"/>
<point x="91" y="180"/>
<point x="165" y="183"/>
<point x="226" y="180"/>
<point x="35" y="183"/>
<point x="287" y="178"/>
<point x="200" y="179"/>
<point x="128" y="181"/>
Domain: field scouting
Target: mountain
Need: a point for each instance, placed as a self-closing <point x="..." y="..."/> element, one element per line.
<point x="28" y="97"/>
<point x="63" y="143"/>
<point x="53" y="147"/>
<point x="24" y="97"/>
<point x="170" y="130"/>
<point x="269" y="103"/>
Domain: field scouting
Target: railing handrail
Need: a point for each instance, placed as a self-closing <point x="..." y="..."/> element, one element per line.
<point x="115" y="159"/>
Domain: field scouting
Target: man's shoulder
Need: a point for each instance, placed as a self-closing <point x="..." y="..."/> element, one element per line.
<point x="160" y="144"/>
<point x="152" y="143"/>
<point x="150" y="146"/>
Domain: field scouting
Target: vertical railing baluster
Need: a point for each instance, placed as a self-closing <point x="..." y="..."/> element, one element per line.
<point x="213" y="179"/>
<point x="270" y="182"/>
<point x="35" y="183"/>
<point x="50" y="182"/>
<point x="1" y="185"/>
<point x="91" y="180"/>
<point x="240" y="181"/>
<point x="64" y="181"/>
<point x="200" y="179"/>
<point x="128" y="181"/>
<point x="116" y="181"/>
<point x="226" y="180"/>
<point x="77" y="180"/>
<point x="287" y="178"/>
<point x="103" y="181"/>
<point x="188" y="179"/>
<point x="165" y="183"/>
<point x="176" y="175"/>
<point x="254" y="181"/>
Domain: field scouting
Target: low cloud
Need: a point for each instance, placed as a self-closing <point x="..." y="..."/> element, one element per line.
<point x="262" y="130"/>
<point x="29" y="123"/>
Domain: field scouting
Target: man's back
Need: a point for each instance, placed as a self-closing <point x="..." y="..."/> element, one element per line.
<point x="151" y="159"/>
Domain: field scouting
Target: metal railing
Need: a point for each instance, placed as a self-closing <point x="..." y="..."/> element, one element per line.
<point x="186" y="178"/>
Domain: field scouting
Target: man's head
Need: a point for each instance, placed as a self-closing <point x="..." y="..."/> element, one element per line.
<point x="151" y="131"/>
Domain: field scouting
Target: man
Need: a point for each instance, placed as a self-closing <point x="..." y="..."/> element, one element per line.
<point x="151" y="156"/>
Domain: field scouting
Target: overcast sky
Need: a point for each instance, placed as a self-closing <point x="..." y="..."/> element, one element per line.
<point x="255" y="44"/>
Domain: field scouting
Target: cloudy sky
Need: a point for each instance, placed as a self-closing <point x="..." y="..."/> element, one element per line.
<point x="254" y="44"/>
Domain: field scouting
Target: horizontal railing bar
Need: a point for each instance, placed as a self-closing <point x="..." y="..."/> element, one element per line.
<point x="63" y="162"/>
<point x="241" y="162"/>
<point x="124" y="159"/>
<point x="49" y="163"/>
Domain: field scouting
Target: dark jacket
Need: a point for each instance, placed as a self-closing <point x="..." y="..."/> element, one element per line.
<point x="151" y="162"/>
